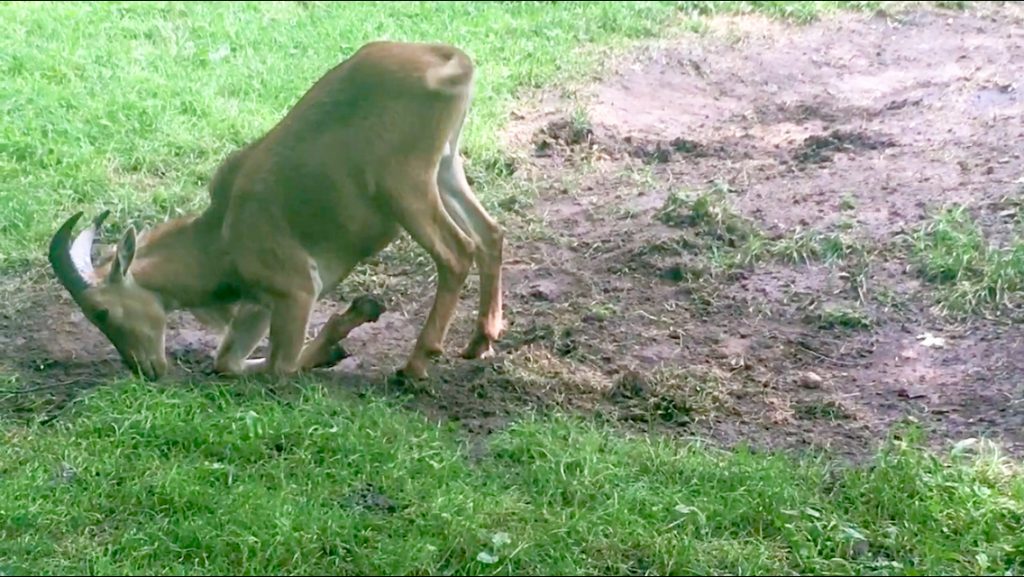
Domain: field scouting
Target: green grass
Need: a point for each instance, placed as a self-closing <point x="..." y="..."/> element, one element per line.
<point x="788" y="10"/>
<point x="973" y="273"/>
<point x="130" y="106"/>
<point x="144" y="480"/>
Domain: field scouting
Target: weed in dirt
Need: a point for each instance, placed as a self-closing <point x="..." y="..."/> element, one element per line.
<point x="843" y="318"/>
<point x="807" y="246"/>
<point x="838" y="247"/>
<point x="732" y="242"/>
<point x="827" y="410"/>
<point x="709" y="214"/>
<point x="799" y="247"/>
<point x="848" y="202"/>
<point x="973" y="275"/>
<point x="575" y="131"/>
<point x="602" y="311"/>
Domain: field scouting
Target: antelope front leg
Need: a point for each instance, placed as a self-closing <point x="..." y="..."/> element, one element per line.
<point x="249" y="325"/>
<point x="288" y="323"/>
<point x="325" y="349"/>
<point x="288" y="320"/>
<point x="322" y="351"/>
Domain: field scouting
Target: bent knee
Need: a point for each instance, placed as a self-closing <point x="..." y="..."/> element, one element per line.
<point x="462" y="259"/>
<point x="495" y="236"/>
<point x="228" y="365"/>
<point x="492" y="242"/>
<point x="454" y="267"/>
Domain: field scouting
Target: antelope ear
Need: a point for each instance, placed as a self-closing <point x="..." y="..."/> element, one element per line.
<point x="123" y="257"/>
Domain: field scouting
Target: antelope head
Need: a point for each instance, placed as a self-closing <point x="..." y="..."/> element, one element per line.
<point x="131" y="317"/>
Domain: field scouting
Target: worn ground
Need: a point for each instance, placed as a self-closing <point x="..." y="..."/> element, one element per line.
<point x="628" y="292"/>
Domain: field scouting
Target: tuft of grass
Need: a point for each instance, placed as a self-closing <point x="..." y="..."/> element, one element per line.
<point x="732" y="241"/>
<point x="189" y="480"/>
<point x="973" y="275"/>
<point x="843" y="318"/>
<point x="847" y="202"/>
<point x="799" y="247"/>
<point x="709" y="214"/>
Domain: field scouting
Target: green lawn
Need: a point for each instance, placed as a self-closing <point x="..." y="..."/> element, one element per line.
<point x="130" y="107"/>
<point x="215" y="481"/>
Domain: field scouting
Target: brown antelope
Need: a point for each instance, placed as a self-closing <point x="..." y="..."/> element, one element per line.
<point x="371" y="149"/>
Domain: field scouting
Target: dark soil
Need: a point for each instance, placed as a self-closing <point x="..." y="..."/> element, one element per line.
<point x="861" y="123"/>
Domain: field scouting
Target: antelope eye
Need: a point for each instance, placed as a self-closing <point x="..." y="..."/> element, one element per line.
<point x="102" y="316"/>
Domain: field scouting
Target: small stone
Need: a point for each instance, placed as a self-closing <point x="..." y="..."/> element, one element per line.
<point x="931" y="341"/>
<point x="811" y="380"/>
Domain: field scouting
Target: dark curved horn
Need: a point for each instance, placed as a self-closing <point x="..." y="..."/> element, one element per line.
<point x="72" y="262"/>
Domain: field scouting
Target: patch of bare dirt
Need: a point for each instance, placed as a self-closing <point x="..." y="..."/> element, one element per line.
<point x="618" y="308"/>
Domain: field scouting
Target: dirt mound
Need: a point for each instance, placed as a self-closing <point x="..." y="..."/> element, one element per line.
<point x="712" y="252"/>
<point x="821" y="148"/>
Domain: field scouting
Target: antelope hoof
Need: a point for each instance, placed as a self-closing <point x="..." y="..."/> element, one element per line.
<point x="413" y="371"/>
<point x="335" y="355"/>
<point x="479" y="347"/>
<point x="364" y="309"/>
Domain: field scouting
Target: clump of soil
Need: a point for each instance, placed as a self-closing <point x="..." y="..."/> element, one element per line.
<point x="821" y="148"/>
<point x="661" y="152"/>
<point x="565" y="133"/>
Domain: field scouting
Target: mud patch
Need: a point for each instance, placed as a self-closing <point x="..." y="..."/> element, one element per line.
<point x="819" y="149"/>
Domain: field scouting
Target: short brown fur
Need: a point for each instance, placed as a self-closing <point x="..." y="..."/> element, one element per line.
<point x="370" y="150"/>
